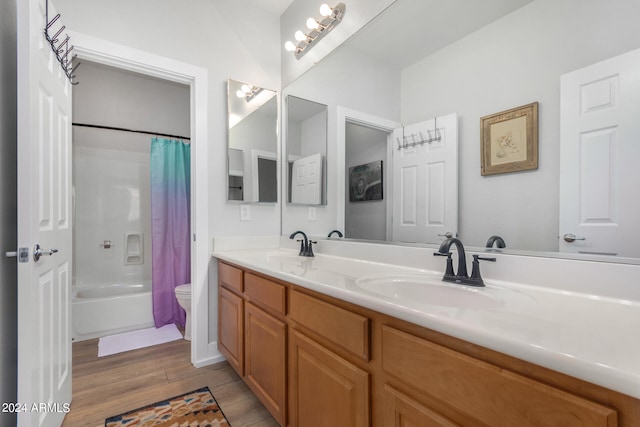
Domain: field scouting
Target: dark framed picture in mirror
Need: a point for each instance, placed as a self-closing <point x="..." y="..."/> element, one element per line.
<point x="509" y="140"/>
<point x="365" y="182"/>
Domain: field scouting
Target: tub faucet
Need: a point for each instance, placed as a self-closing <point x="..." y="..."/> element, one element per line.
<point x="306" y="245"/>
<point x="460" y="276"/>
<point x="338" y="232"/>
<point x="499" y="241"/>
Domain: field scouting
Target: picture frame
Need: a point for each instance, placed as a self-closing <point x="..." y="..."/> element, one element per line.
<point x="509" y="140"/>
<point x="365" y="182"/>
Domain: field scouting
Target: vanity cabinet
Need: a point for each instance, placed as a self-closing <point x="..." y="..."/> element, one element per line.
<point x="477" y="391"/>
<point x="327" y="389"/>
<point x="252" y="334"/>
<point x="231" y="316"/>
<point x="315" y="360"/>
<point x="266" y="343"/>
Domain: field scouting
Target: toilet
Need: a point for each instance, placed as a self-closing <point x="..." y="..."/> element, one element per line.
<point x="183" y="295"/>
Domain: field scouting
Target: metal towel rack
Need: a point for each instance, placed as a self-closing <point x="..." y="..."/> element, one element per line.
<point x="61" y="49"/>
<point x="419" y="138"/>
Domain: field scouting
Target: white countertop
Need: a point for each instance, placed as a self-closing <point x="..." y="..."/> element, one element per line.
<point x="591" y="337"/>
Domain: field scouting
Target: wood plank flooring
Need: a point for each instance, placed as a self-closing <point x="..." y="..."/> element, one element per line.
<point x="111" y="385"/>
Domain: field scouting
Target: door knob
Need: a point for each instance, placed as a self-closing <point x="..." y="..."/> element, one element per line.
<point x="448" y="235"/>
<point x="570" y="238"/>
<point x="38" y="252"/>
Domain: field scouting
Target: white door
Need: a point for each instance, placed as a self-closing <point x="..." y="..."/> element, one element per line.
<point x="425" y="181"/>
<point x="599" y="153"/>
<point x="306" y="180"/>
<point x="44" y="218"/>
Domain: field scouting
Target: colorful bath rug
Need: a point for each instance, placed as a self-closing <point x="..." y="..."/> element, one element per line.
<point x="197" y="408"/>
<point x="137" y="339"/>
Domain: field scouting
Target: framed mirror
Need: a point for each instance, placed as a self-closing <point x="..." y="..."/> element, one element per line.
<point x="252" y="141"/>
<point x="306" y="153"/>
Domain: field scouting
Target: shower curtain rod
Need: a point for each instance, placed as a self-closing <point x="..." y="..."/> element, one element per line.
<point x="130" y="130"/>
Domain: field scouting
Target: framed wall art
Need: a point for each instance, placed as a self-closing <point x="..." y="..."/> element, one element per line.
<point x="365" y="182"/>
<point x="509" y="140"/>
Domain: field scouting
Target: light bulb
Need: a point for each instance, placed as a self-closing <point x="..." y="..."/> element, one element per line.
<point x="300" y="36"/>
<point x="246" y="88"/>
<point x="325" y="10"/>
<point x="312" y="24"/>
<point x="239" y="93"/>
<point x="290" y="46"/>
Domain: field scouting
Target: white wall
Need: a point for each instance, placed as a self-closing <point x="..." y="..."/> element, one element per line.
<point x="515" y="61"/>
<point x="224" y="42"/>
<point x="8" y="209"/>
<point x="112" y="168"/>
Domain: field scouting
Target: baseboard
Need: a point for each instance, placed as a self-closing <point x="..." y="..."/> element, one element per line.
<point x="213" y="356"/>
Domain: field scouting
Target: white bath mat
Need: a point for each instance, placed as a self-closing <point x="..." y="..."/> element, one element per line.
<point x="137" y="339"/>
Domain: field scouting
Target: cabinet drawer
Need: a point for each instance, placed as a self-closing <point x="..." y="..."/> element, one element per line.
<point x="483" y="391"/>
<point x="342" y="327"/>
<point x="230" y="277"/>
<point x="265" y="293"/>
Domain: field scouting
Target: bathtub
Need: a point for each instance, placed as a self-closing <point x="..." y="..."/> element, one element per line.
<point x="98" y="311"/>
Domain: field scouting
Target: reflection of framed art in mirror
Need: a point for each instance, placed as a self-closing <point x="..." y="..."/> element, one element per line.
<point x="365" y="182"/>
<point x="509" y="140"/>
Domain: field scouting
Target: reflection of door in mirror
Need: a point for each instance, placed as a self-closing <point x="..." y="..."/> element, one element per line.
<point x="264" y="166"/>
<point x="425" y="181"/>
<point x="365" y="219"/>
<point x="236" y="172"/>
<point x="252" y="143"/>
<point x="599" y="205"/>
<point x="306" y="180"/>
<point x="306" y="138"/>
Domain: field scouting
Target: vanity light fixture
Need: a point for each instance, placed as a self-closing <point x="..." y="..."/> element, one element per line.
<point x="248" y="92"/>
<point x="317" y="29"/>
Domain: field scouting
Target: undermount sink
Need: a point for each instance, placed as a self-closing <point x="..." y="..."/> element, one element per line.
<point x="428" y="289"/>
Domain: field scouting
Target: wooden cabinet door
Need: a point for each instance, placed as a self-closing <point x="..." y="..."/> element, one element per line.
<point x="402" y="411"/>
<point x="265" y="360"/>
<point x="325" y="389"/>
<point x="230" y="329"/>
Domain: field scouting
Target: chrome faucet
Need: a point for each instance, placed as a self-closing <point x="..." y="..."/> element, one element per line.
<point x="499" y="241"/>
<point x="460" y="276"/>
<point x="306" y="245"/>
<point x="338" y="232"/>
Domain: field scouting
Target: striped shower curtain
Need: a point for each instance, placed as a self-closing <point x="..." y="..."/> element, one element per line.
<point x="170" y="229"/>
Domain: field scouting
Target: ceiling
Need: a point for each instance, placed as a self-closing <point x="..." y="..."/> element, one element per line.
<point x="273" y="7"/>
<point x="410" y="30"/>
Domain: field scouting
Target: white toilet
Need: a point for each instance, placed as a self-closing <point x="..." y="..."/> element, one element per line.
<point x="183" y="295"/>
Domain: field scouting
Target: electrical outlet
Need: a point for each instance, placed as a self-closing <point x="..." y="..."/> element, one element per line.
<point x="312" y="214"/>
<point x="245" y="213"/>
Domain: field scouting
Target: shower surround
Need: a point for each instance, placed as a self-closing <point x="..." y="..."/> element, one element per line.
<point x="112" y="236"/>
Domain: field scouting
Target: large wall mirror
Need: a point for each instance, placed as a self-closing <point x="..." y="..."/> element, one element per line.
<point x="306" y="154"/>
<point x="252" y="171"/>
<point x="501" y="54"/>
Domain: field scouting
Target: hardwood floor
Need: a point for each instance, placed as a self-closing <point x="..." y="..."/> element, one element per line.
<point x="122" y="382"/>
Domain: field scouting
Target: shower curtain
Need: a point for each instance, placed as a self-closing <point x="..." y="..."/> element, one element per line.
<point x="170" y="218"/>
